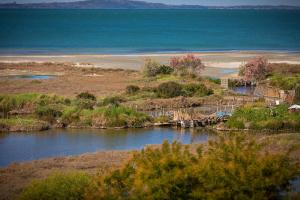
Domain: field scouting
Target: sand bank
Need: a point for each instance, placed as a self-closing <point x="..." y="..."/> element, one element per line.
<point x="229" y="60"/>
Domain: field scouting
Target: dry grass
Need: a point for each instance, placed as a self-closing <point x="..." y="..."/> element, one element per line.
<point x="70" y="80"/>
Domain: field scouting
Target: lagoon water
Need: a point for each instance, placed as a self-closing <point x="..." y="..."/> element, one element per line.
<point x="29" y="77"/>
<point x="137" y="31"/>
<point x="18" y="147"/>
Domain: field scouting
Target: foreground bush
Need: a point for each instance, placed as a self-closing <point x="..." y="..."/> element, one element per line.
<point x="58" y="186"/>
<point x="229" y="168"/>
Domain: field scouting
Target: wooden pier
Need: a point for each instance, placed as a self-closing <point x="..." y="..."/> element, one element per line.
<point x="206" y="121"/>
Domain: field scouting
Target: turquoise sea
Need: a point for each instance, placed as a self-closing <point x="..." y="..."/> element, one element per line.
<point x="139" y="31"/>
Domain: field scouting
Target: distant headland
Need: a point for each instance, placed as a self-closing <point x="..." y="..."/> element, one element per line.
<point x="128" y="4"/>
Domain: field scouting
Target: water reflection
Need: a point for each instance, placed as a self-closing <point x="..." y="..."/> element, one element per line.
<point x="30" y="77"/>
<point x="16" y="147"/>
<point x="246" y="90"/>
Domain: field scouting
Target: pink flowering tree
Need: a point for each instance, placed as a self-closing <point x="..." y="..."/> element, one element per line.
<point x="187" y="65"/>
<point x="256" y="69"/>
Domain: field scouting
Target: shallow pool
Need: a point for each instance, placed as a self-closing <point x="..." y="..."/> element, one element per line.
<point x="246" y="90"/>
<point x="30" y="77"/>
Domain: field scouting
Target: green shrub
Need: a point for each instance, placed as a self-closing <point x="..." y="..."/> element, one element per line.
<point x="194" y="89"/>
<point x="149" y="89"/>
<point x="132" y="89"/>
<point x="228" y="168"/>
<point x="44" y="100"/>
<point x="164" y="69"/>
<point x="235" y="124"/>
<point x="152" y="68"/>
<point x="169" y="90"/>
<point x="70" y="114"/>
<point x="84" y="103"/>
<point x="49" y="112"/>
<point x="70" y="186"/>
<point x="108" y="116"/>
<point x="214" y="80"/>
<point x="292" y="124"/>
<point x="285" y="82"/>
<point x="142" y="95"/>
<point x="119" y="116"/>
<point x="86" y="95"/>
<point x="113" y="100"/>
<point x="67" y="101"/>
<point x="24" y="123"/>
<point x="271" y="124"/>
<point x="258" y="116"/>
<point x="18" y="101"/>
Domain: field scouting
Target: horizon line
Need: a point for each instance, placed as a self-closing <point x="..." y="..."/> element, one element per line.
<point x="175" y="5"/>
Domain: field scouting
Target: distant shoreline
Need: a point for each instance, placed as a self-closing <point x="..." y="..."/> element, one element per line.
<point x="28" y="52"/>
<point x="226" y="60"/>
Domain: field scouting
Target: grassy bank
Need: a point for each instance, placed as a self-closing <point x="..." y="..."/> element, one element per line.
<point x="36" y="111"/>
<point x="258" y="116"/>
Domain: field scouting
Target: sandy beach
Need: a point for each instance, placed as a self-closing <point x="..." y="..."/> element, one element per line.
<point x="228" y="60"/>
<point x="74" y="71"/>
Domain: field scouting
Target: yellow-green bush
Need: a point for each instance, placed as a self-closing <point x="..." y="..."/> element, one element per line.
<point x="60" y="186"/>
<point x="228" y="168"/>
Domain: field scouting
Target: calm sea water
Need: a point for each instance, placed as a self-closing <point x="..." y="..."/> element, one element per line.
<point x="17" y="147"/>
<point x="138" y="31"/>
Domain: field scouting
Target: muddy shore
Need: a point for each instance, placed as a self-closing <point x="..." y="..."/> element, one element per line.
<point x="15" y="176"/>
